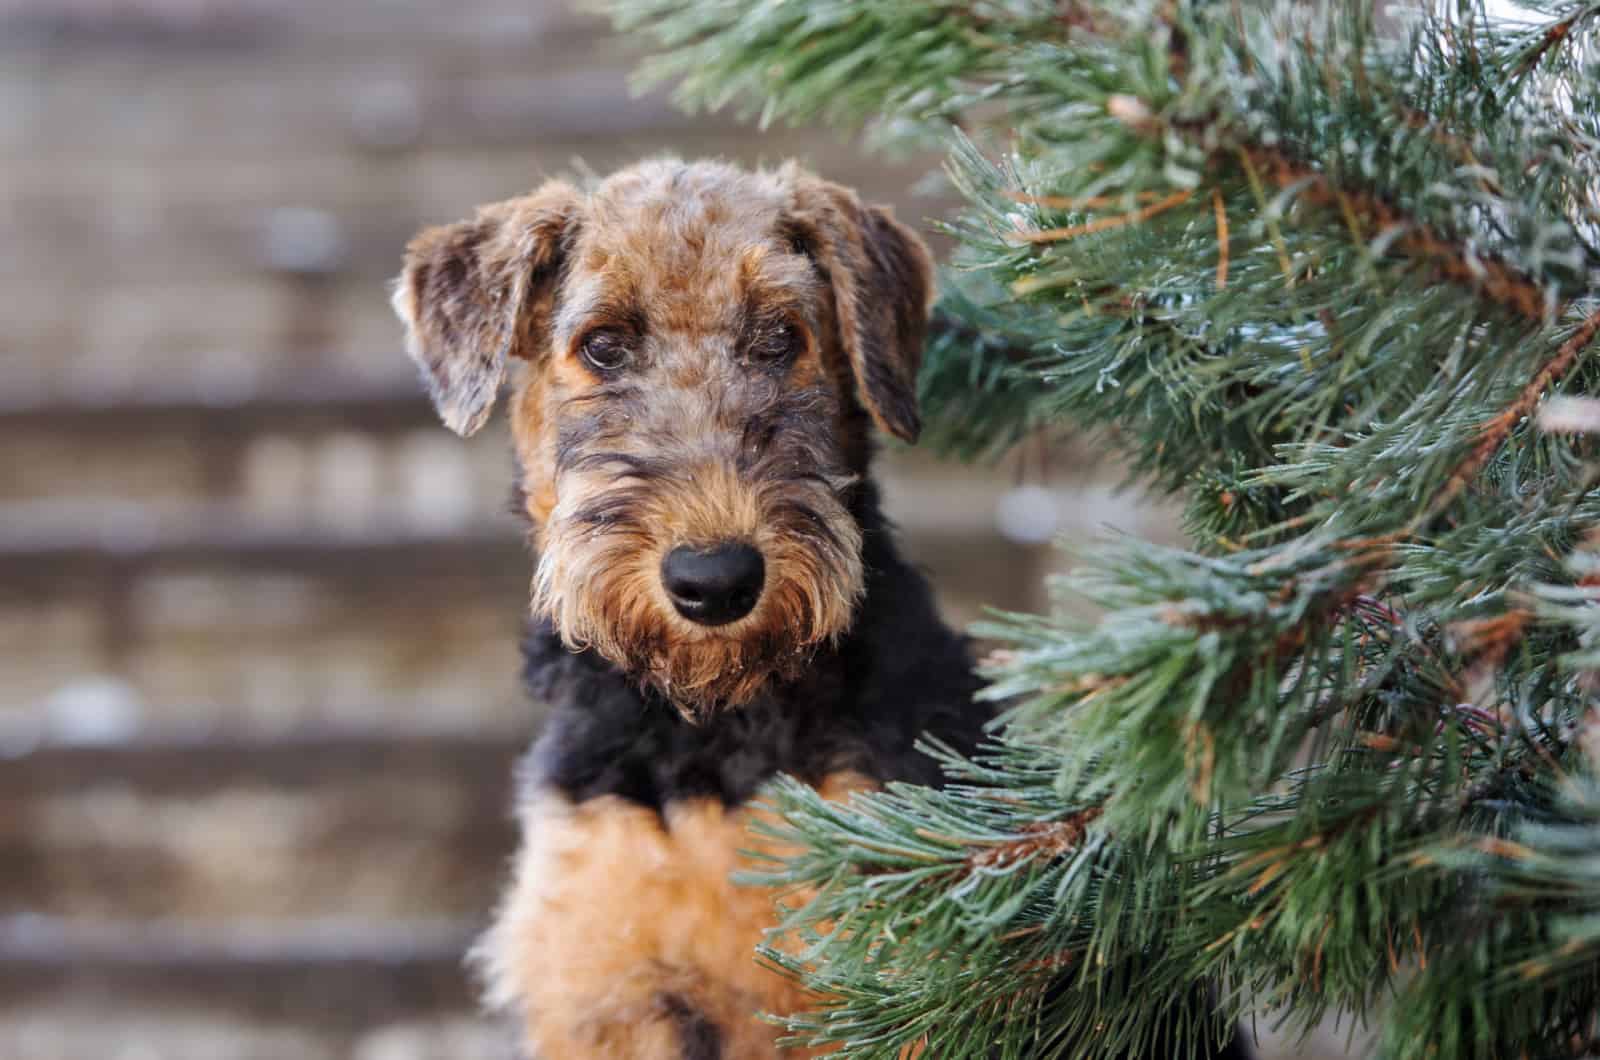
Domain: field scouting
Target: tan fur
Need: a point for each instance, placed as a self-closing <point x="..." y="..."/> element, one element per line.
<point x="612" y="909"/>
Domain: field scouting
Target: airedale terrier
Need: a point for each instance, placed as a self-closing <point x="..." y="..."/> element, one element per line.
<point x="701" y="353"/>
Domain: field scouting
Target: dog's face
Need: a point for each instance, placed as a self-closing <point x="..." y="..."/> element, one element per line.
<point x="699" y="350"/>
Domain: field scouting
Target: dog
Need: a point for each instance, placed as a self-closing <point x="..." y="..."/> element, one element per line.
<point x="699" y="357"/>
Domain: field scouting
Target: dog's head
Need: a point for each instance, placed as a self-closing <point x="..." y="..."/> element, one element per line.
<point x="697" y="352"/>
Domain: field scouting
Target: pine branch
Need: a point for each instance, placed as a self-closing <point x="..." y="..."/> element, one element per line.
<point x="1494" y="432"/>
<point x="1551" y="36"/>
<point x="1452" y="258"/>
<point x="1321" y="280"/>
<point x="1047" y="839"/>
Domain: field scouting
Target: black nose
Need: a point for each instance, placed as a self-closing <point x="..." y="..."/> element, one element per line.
<point x="716" y="585"/>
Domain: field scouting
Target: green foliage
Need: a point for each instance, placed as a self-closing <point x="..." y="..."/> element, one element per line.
<point x="1317" y="276"/>
<point x="839" y="60"/>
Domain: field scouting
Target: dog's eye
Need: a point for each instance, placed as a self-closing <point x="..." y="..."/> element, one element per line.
<point x="778" y="344"/>
<point x="604" y="351"/>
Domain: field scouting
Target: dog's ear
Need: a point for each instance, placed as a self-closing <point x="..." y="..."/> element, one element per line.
<point x="476" y="292"/>
<point x="882" y="279"/>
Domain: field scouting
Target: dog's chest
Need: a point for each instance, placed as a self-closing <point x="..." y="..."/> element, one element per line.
<point x="624" y="934"/>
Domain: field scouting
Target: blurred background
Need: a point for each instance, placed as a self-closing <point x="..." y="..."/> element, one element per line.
<point x="258" y="613"/>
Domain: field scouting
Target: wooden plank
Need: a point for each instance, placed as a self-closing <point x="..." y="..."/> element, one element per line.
<point x="319" y="824"/>
<point x="235" y="25"/>
<point x="338" y="975"/>
<point x="181" y="761"/>
<point x="130" y="541"/>
<point x="174" y="406"/>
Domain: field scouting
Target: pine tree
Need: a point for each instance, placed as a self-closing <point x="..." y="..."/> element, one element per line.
<point x="1332" y="278"/>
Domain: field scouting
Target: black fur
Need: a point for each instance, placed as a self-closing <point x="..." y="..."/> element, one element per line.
<point x="860" y="705"/>
<point x="698" y="1037"/>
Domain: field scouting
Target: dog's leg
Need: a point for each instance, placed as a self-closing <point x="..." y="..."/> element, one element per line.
<point x="623" y="936"/>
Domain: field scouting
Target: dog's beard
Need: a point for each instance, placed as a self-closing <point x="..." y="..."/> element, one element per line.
<point x="599" y="583"/>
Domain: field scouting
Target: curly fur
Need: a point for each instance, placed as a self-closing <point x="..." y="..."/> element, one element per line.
<point x="704" y="438"/>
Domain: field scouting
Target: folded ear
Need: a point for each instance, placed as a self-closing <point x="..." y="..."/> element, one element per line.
<point x="882" y="278"/>
<point x="476" y="292"/>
